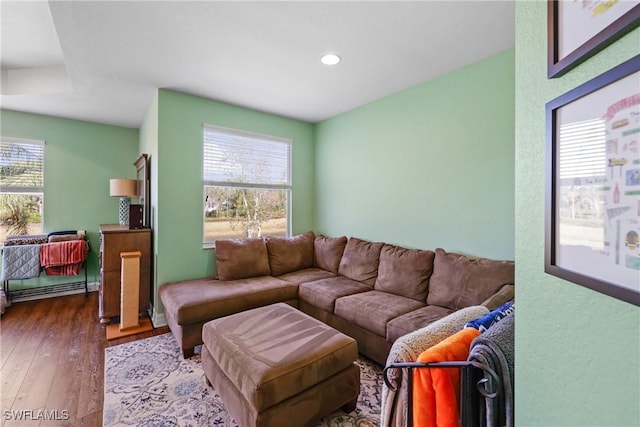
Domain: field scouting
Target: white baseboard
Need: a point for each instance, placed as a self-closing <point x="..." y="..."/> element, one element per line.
<point x="158" y="319"/>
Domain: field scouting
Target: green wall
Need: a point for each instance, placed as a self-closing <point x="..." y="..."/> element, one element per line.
<point x="431" y="166"/>
<point x="80" y="158"/>
<point x="577" y="351"/>
<point x="178" y="162"/>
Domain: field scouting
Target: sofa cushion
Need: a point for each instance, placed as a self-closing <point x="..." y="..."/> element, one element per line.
<point x="198" y="300"/>
<point x="306" y="275"/>
<point x="458" y="281"/>
<point x="328" y="252"/>
<point x="414" y="320"/>
<point x="287" y="254"/>
<point x="404" y="271"/>
<point x="506" y="293"/>
<point x="360" y="260"/>
<point x="373" y="309"/>
<point x="242" y="258"/>
<point x="323" y="293"/>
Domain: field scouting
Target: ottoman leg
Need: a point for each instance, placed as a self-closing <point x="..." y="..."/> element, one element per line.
<point x="350" y="406"/>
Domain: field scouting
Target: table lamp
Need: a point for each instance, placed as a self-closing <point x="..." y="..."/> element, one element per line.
<point x="123" y="188"/>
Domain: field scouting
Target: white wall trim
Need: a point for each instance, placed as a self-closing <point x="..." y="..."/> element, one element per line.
<point x="158" y="319"/>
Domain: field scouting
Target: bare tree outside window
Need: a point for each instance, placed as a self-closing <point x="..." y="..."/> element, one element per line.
<point x="246" y="185"/>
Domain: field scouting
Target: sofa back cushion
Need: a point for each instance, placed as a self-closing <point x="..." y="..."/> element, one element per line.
<point x="287" y="254"/>
<point x="405" y="271"/>
<point x="328" y="252"/>
<point x="241" y="258"/>
<point x="458" y="281"/>
<point x="360" y="260"/>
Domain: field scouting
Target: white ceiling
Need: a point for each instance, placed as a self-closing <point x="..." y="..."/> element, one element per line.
<point x="102" y="60"/>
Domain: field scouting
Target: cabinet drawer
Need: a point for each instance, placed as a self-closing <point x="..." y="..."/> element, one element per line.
<point x="115" y="244"/>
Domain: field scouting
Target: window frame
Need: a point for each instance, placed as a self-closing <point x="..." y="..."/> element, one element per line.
<point x="287" y="187"/>
<point x="28" y="190"/>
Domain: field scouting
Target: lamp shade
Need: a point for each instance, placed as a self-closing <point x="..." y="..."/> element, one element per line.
<point x="121" y="187"/>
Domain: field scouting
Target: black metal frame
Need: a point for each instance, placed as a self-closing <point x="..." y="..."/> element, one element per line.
<point x="470" y="410"/>
<point x="5" y="283"/>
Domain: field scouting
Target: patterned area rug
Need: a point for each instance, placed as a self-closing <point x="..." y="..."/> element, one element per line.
<point x="148" y="383"/>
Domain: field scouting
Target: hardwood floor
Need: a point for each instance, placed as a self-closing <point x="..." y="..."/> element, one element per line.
<point x="52" y="361"/>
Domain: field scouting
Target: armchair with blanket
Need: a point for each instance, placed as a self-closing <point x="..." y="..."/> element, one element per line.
<point x="456" y="371"/>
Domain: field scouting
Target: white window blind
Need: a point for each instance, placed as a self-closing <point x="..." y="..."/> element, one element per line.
<point x="246" y="181"/>
<point x="22" y="166"/>
<point x="582" y="149"/>
<point x="245" y="159"/>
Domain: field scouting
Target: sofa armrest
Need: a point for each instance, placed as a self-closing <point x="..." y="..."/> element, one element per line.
<point x="504" y="294"/>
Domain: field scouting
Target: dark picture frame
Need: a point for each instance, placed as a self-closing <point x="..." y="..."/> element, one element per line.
<point x="592" y="219"/>
<point x="144" y="179"/>
<point x="587" y="32"/>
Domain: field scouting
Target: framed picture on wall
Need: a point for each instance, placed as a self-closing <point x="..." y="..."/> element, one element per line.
<point x="578" y="30"/>
<point x="592" y="223"/>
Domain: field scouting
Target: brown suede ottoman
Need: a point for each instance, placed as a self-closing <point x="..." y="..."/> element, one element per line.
<point x="276" y="366"/>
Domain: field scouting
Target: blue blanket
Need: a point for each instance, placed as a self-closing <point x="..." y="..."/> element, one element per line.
<point x="485" y="322"/>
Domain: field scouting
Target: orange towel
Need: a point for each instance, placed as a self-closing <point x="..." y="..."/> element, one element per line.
<point x="436" y="391"/>
<point x="63" y="258"/>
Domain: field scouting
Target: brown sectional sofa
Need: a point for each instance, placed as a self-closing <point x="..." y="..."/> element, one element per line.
<point x="372" y="291"/>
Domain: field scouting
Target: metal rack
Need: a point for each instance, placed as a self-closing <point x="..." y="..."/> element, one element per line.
<point x="57" y="287"/>
<point x="473" y="386"/>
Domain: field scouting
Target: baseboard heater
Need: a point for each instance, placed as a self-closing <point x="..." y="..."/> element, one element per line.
<point x="50" y="290"/>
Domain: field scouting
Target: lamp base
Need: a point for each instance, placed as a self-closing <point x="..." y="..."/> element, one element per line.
<point x="123" y="213"/>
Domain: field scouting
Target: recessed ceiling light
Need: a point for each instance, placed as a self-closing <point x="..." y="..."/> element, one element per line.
<point x="330" y="59"/>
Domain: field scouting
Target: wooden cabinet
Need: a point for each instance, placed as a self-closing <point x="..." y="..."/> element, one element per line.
<point x="115" y="239"/>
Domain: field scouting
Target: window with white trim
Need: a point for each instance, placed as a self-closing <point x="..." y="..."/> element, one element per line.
<point x="21" y="186"/>
<point x="246" y="179"/>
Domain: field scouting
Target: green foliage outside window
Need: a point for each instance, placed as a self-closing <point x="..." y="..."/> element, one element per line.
<point x="21" y="185"/>
<point x="18" y="212"/>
